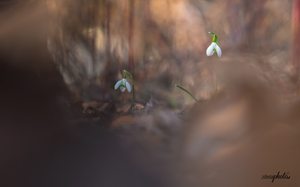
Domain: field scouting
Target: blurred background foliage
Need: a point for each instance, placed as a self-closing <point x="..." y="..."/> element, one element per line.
<point x="162" y="42"/>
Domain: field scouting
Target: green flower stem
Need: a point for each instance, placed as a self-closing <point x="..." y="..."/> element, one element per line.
<point x="128" y="76"/>
<point x="133" y="95"/>
<point x="186" y="91"/>
<point x="214" y="37"/>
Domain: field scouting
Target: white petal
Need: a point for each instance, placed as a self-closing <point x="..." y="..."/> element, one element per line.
<point x="219" y="51"/>
<point x="210" y="49"/>
<point x="122" y="89"/>
<point x="117" y="85"/>
<point x="128" y="86"/>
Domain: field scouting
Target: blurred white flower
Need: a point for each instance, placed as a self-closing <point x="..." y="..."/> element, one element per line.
<point x="123" y="84"/>
<point x="212" y="48"/>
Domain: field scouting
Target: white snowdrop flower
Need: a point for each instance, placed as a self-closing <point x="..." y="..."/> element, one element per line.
<point x="212" y="48"/>
<point x="123" y="84"/>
